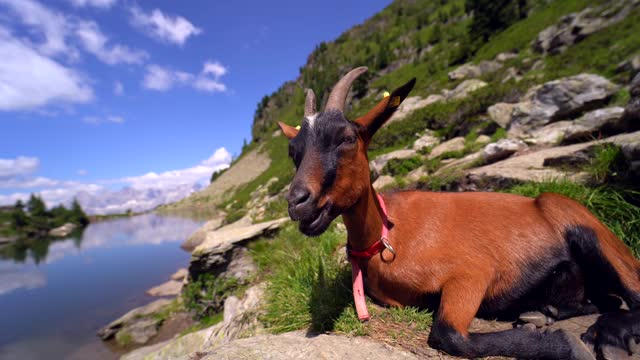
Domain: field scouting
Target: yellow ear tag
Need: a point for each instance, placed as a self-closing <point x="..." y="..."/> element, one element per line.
<point x="386" y="94"/>
<point x="395" y="101"/>
<point x="298" y="127"/>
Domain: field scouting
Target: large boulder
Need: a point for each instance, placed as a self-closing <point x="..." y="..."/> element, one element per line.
<point x="575" y="27"/>
<point x="607" y="120"/>
<point x="137" y="325"/>
<point x="64" y="230"/>
<point x="383" y="181"/>
<point x="376" y="165"/>
<point x="557" y="100"/>
<point x="455" y="144"/>
<point x="215" y="254"/>
<point x="533" y="166"/>
<point x="199" y="235"/>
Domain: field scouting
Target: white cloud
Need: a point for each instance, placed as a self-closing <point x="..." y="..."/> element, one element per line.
<point x="161" y="78"/>
<point x="95" y="42"/>
<point x="13" y="280"/>
<point x="52" y="25"/>
<point x="173" y="29"/>
<point x="96" y="120"/>
<point x="140" y="192"/>
<point x="29" y="80"/>
<point x="95" y="3"/>
<point x="118" y="88"/>
<point x="20" y="166"/>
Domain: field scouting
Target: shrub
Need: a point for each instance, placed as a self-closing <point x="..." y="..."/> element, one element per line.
<point x="206" y="295"/>
<point x="401" y="167"/>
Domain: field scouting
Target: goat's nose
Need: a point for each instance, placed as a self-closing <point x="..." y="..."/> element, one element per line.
<point x="298" y="195"/>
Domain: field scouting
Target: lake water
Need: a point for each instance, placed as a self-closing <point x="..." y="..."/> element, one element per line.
<point x="56" y="295"/>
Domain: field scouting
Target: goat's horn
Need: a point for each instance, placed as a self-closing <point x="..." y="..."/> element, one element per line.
<point x="338" y="95"/>
<point x="310" y="108"/>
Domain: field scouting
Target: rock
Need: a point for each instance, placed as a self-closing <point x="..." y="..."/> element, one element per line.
<point x="7" y="240"/>
<point x="530" y="166"/>
<point x="512" y="74"/>
<point x="416" y="174"/>
<point x="299" y="345"/>
<point x="500" y="113"/>
<point x="558" y="99"/>
<point x="240" y="318"/>
<point x="383" y="181"/>
<point x="472" y="71"/>
<point x="241" y="266"/>
<point x="427" y="140"/>
<point x="170" y="288"/>
<point x="215" y="253"/>
<point x="455" y="144"/>
<point x="632" y="65"/>
<point x="180" y="274"/>
<point x="377" y="164"/>
<point x="139" y="332"/>
<point x="455" y="166"/>
<point x="575" y="27"/>
<point x="483" y="139"/>
<point x="411" y="104"/>
<point x="502" y="149"/>
<point x="634" y="87"/>
<point x="631" y="116"/>
<point x="198" y="237"/>
<point x="63" y="230"/>
<point x="608" y="120"/>
<point x="132" y="316"/>
<point x="464" y="89"/>
<point x="506" y="56"/>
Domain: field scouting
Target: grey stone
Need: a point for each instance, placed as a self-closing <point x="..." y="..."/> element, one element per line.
<point x="472" y="71"/>
<point x="198" y="237"/>
<point x="559" y="99"/>
<point x="180" y="274"/>
<point x="170" y="288"/>
<point x="501" y="113"/>
<point x="215" y="253"/>
<point x="383" y="181"/>
<point x="506" y="56"/>
<point x="411" y="104"/>
<point x="132" y="316"/>
<point x="455" y="144"/>
<point x="530" y="166"/>
<point x="464" y="89"/>
<point x="502" y="149"/>
<point x="63" y="230"/>
<point x="483" y="139"/>
<point x="377" y="164"/>
<point x="426" y="141"/>
<point x="608" y="120"/>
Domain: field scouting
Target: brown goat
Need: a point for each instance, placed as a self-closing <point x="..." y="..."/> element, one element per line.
<point x="486" y="254"/>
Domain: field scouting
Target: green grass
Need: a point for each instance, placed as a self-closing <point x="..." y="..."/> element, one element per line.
<point x="606" y="159"/>
<point x="280" y="167"/>
<point x="401" y="167"/>
<point x="310" y="288"/>
<point x="608" y="204"/>
<point x="518" y="37"/>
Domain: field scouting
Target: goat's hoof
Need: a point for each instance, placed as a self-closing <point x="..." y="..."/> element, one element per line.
<point x="536" y="318"/>
<point x="551" y="310"/>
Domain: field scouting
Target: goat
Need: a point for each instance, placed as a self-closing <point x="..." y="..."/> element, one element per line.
<point x="478" y="253"/>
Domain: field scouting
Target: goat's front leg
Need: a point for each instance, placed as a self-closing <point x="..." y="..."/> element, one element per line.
<point x="459" y="303"/>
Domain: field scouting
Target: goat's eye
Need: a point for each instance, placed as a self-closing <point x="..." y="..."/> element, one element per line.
<point x="349" y="139"/>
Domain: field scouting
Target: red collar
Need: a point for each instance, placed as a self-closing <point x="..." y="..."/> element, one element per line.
<point x="379" y="245"/>
<point x="356" y="272"/>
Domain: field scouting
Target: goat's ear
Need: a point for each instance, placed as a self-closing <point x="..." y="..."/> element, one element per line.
<point x="380" y="113"/>
<point x="289" y="131"/>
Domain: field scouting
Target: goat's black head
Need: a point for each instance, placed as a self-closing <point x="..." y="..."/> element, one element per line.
<point x="330" y="155"/>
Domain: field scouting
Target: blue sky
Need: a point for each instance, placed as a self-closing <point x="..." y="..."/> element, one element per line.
<point x="98" y="93"/>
